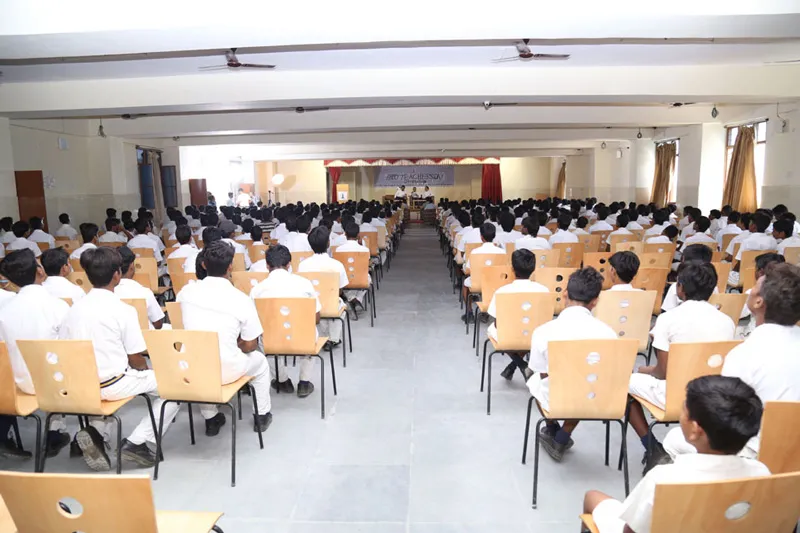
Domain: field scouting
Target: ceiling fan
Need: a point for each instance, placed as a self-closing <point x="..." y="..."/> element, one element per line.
<point x="234" y="63"/>
<point x="788" y="61"/>
<point x="524" y="54"/>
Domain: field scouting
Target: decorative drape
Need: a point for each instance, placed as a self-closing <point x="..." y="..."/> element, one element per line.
<point x="740" y="186"/>
<point x="491" y="185"/>
<point x="159" y="213"/>
<point x="561" y="186"/>
<point x="335" y="173"/>
<point x="662" y="178"/>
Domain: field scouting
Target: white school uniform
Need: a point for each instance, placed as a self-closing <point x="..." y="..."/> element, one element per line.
<point x="633" y="225"/>
<point x="671" y="300"/>
<point x="110" y="236"/>
<point x="532" y="243"/>
<point x="185" y="250"/>
<point x="244" y="237"/>
<point x="113" y="328"/>
<point x="2" y="251"/>
<point x="279" y="231"/>
<point x="502" y="238"/>
<point x="297" y="242"/>
<point x="485" y="248"/>
<point x="789" y="242"/>
<point x="692" y="321"/>
<point x="324" y="263"/>
<point x="660" y="239"/>
<point x="20" y="243"/>
<point x="623" y="287"/>
<point x="655" y="230"/>
<point x="67" y="231"/>
<point x="620" y="231"/>
<point x="738" y="239"/>
<point x="129" y="288"/>
<point x="573" y="323"/>
<point x="6" y="297"/>
<point x="580" y="231"/>
<point x="600" y="225"/>
<point x="38" y="235"/>
<point x="336" y="239"/>
<point x="470" y="235"/>
<point x="214" y="304"/>
<point x="144" y="241"/>
<point x="687" y="232"/>
<point x="757" y="241"/>
<point x="698" y="238"/>
<point x="643" y="220"/>
<point x="367" y="227"/>
<point x="79" y="251"/>
<point x="515" y="287"/>
<point x="239" y="248"/>
<point x="544" y="232"/>
<point x="562" y="236"/>
<point x="61" y="287"/>
<point x="7" y="237"/>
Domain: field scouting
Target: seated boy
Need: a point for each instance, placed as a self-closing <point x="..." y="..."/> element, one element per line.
<point x="55" y="263"/>
<point x="130" y="288"/>
<point x="701" y="235"/>
<point x="622" y="222"/>
<point x="530" y="236"/>
<point x="624" y="267"/>
<point x="563" y="234"/>
<point x="718" y="418"/>
<point x="694" y="253"/>
<point x="487" y="232"/>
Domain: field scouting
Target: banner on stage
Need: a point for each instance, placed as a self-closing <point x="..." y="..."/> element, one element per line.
<point x="416" y="176"/>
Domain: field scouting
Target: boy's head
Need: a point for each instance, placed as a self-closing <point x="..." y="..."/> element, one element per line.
<point x="622" y="220"/>
<point x="88" y="232"/>
<point x="21" y="268"/>
<point x="128" y="259"/>
<point x="671" y="232"/>
<point x="733" y="217"/>
<point x="697" y="252"/>
<point x="624" y="267"/>
<point x="142" y="226"/>
<point x="523" y="262"/>
<point x="783" y="228"/>
<point x="530" y="226"/>
<point x="582" y="222"/>
<point x="278" y="257"/>
<point x="506" y="221"/>
<point x="759" y="223"/>
<point x="36" y="223"/>
<point x="767" y="259"/>
<point x="303" y="224"/>
<point x="351" y="230"/>
<point x="210" y="235"/>
<point x="701" y="224"/>
<point x="217" y="258"/>
<point x="55" y="262"/>
<point x="102" y="266"/>
<point x="720" y="414"/>
<point x="21" y="228"/>
<point x="564" y="220"/>
<point x="477" y="219"/>
<point x="696" y="281"/>
<point x="318" y="239"/>
<point x="183" y="234"/>
<point x="488" y="232"/>
<point x="112" y="224"/>
<point x="775" y="298"/>
<point x="63" y="218"/>
<point x="584" y="286"/>
<point x="602" y="212"/>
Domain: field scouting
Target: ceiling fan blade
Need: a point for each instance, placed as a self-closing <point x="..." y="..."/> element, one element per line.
<point x="551" y="57"/>
<point x="504" y="104"/>
<point x="214" y="67"/>
<point x="505" y="59"/>
<point x="784" y="62"/>
<point x="256" y="65"/>
<point x="312" y="109"/>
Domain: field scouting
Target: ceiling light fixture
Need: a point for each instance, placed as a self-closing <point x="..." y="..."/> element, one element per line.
<point x="639" y="135"/>
<point x="101" y="132"/>
<point x="277" y="179"/>
<point x="714" y="112"/>
<point x="487" y="105"/>
<point x="603" y="145"/>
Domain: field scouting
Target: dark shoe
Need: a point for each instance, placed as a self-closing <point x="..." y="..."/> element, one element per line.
<point x="330" y="345"/>
<point x="93" y="448"/>
<point x="213" y="425"/>
<point x="283" y="386"/>
<point x="56" y="441"/>
<point x="262" y="422"/>
<point x="138" y="453"/>
<point x="553" y="448"/>
<point x="570" y="444"/>
<point x="468" y="317"/>
<point x="74" y="449"/>
<point x="658" y="457"/>
<point x="508" y="372"/>
<point x="9" y="450"/>
<point x="304" y="389"/>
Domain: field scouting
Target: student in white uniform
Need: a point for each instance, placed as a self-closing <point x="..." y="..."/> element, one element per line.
<point x="719" y="416"/>
<point x="575" y="322"/>
<point x="366" y="223"/>
<point x="601" y="224"/>
<point x="667" y="236"/>
<point x="38" y="234"/>
<point x="530" y="236"/>
<point x="701" y="235"/>
<point x="89" y="235"/>
<point x="660" y="221"/>
<point x="282" y="284"/>
<point x="33" y="314"/>
<point x="243" y="199"/>
<point x="427" y="193"/>
<point x="694" y="253"/>
<point x="226" y="229"/>
<point x="214" y="304"/>
<point x="580" y="226"/>
<point x="21" y="230"/>
<point x="633" y="218"/>
<point x="113" y="328"/>
<point x="142" y="240"/>
<point x="623" y="267"/>
<point x="297" y="241"/>
<point x="280" y="230"/>
<point x="6" y="223"/>
<point x="471" y="234"/>
<point x="354" y="296"/>
<point x="767" y="359"/>
<point x="732" y="227"/>
<point x="757" y="240"/>
<point x="507" y="234"/>
<point x="487" y="236"/>
<point x="695" y="320"/>
<point x="782" y="231"/>
<point x="563" y="234"/>
<point x="55" y="263"/>
<point x="66" y="230"/>
<point x="130" y="288"/>
<point x="185" y="249"/>
<point x="622" y="221"/>
<point x="113" y="232"/>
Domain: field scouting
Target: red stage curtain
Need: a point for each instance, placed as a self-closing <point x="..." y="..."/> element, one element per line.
<point x="335" y="173"/>
<point x="491" y="186"/>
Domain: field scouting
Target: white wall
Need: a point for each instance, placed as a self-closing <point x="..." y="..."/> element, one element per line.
<point x="643" y="152"/>
<point x="525" y="177"/>
<point x="8" y="188"/>
<point x="305" y="181"/>
<point x="580" y="175"/>
<point x="782" y="167"/>
<point x="612" y="171"/>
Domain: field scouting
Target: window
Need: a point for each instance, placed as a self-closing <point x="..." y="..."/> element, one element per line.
<point x="673" y="178"/>
<point x="760" y="149"/>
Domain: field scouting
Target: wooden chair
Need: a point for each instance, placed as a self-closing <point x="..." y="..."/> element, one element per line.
<point x="170" y="243"/>
<point x="14" y="402"/>
<point x="297" y="257"/>
<point x="726" y="241"/>
<point x="468" y="248"/>
<point x="628" y="313"/>
<point x="749" y="258"/>
<point x="356" y="264"/>
<point x="145" y="271"/>
<point x="76" y="265"/>
<point x="257" y="251"/>
<point x="547" y="258"/>
<point x="175" y="265"/>
<point x="64" y="374"/>
<point x="175" y="315"/>
<point x="747" y="279"/>
<point x="140" y="304"/>
<point x="43" y="246"/>
<point x="552" y="226"/>
<point x="588" y="381"/>
<point x="492" y="278"/>
<point x="144" y="253"/>
<point x="591" y="243"/>
<point x="628" y="246"/>
<point x="110" y="244"/>
<point x="570" y="254"/>
<point x="245" y="281"/>
<point x="199" y="243"/>
<point x="723" y="270"/>
<point x="603" y="234"/>
<point x="652" y="279"/>
<point x="477" y="263"/>
<point x="792" y="254"/>
<point x="780" y="437"/>
<point x="290" y="329"/>
<point x="730" y="303"/>
<point x="69" y="502"/>
<point x="618" y="238"/>
<point x="238" y="264"/>
<point x="638" y="233"/>
<point x="717" y="257"/>
<point x="555" y="279"/>
<point x="510" y="248"/>
<point x="518" y="315"/>
<point x="655" y="260"/>
<point x="599" y="261"/>
<point x="326" y="285"/>
<point x="68" y="245"/>
<point x="187" y="368"/>
<point x="370" y="240"/>
<point x="659" y="248"/>
<point x="181" y="280"/>
<point x="68" y="300"/>
<point x="81" y="280"/>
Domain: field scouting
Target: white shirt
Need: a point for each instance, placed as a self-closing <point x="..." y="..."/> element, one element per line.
<point x="515" y="287"/>
<point x="336" y="239"/>
<point x="692" y="321"/>
<point x="367" y="227"/>
<point x="6" y="297"/>
<point x="562" y="236"/>
<point x="687" y="232"/>
<point x="296" y="242"/>
<point x="502" y="238"/>
<point x="78" y="252"/>
<point x="7" y="237"/>
<point x="34" y="314"/>
<point x="427" y="194"/>
<point x="700" y="238"/>
<point x="67" y="231"/>
<point x="601" y="225"/>
<point x="532" y="243"/>
<point x="243" y="237"/>
<point x="61" y="287"/>
<point x="144" y="241"/>
<point x="623" y="287"/>
<point x="111" y="325"/>
<point x="239" y="248"/>
<point x="110" y="236"/>
<point x="20" y="243"/>
<point x="157" y="241"/>
<point x="214" y="304"/>
<point x="580" y="231"/>
<point x="282" y="284"/>
<point x="243" y="200"/>
<point x="671" y="300"/>
<point x="620" y="231"/>
<point x="543" y="232"/>
<point x="324" y="263"/>
<point x="739" y="238"/>
<point x="486" y="248"/>
<point x="469" y="235"/>
<point x="656" y="229"/>
<point x="757" y="241"/>
<point x="352" y="246"/>
<point x="637" y="510"/>
<point x="185" y="250"/>
<point x="38" y="235"/>
<point x="642" y="220"/>
<point x="129" y="288"/>
<point x="789" y="242"/>
<point x="279" y="232"/>
<point x="633" y="225"/>
<point x="399" y="193"/>
<point x="660" y="239"/>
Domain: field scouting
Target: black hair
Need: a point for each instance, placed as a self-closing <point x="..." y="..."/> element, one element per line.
<point x="53" y="260"/>
<point x="780" y="291"/>
<point x="584" y="285"/>
<point x="767" y="259"/>
<point x="111" y="212"/>
<point x="184" y="234"/>
<point x="256" y="234"/>
<point x="698" y="281"/>
<point x="303" y="224"/>
<point x="726" y="210"/>
<point x="19" y="267"/>
<point x="35" y="222"/>
<point x="111" y="222"/>
<point x="128" y="258"/>
<point x="697" y="252"/>
<point x="88" y="231"/>
<point x="488" y="232"/>
<point x="531" y="225"/>
<point x="728" y="410"/>
<point x="217" y="257"/>
<point x="477" y="219"/>
<point x="291" y="222"/>
<point x="278" y="256"/>
<point x="20" y="228"/>
<point x="582" y="222"/>
<point x="602" y="212"/>
<point x="626" y="265"/>
<point x="523" y="261"/>
<point x="366" y="218"/>
<point x="63" y="218"/>
<point x="100" y="265"/>
<point x="733" y="217"/>
<point x="784" y="225"/>
<point x="714" y="213"/>
<point x="506" y="220"/>
<point x="141" y="225"/>
<point x="702" y="223"/>
<point x="351" y="230"/>
<point x="623" y="220"/>
<point x="211" y="234"/>
<point x="671" y="232"/>
<point x="564" y="220"/>
<point x="318" y="239"/>
<point x="761" y="221"/>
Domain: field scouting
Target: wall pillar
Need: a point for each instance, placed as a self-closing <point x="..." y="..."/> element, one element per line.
<point x="8" y="187"/>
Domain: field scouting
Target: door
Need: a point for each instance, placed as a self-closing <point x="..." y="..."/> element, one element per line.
<point x="30" y="195"/>
<point x="197" y="191"/>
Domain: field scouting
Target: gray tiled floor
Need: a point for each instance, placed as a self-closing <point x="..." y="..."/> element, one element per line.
<point x="406" y="447"/>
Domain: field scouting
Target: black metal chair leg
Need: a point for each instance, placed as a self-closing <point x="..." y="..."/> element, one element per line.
<point x="626" y="420"/>
<point x="489" y="384"/>
<point x="37" y="454"/>
<point x="625" y="473"/>
<point x="43" y="445"/>
<point x="349" y="331"/>
<point x="370" y="304"/>
<point x="119" y="443"/>
<point x="536" y="461"/>
<point x="476" y="338"/>
<point x="322" y="388"/>
<point x="159" y="438"/>
<point x="527" y="431"/>
<point x="233" y="444"/>
<point x="15" y="425"/>
<point x="152" y="416"/>
<point x="608" y="431"/>
<point x="191" y="422"/>
<point x="239" y="402"/>
<point x="374" y="303"/>
<point x="216" y="529"/>
<point x="344" y="344"/>
<point x="333" y="371"/>
<point x="255" y="415"/>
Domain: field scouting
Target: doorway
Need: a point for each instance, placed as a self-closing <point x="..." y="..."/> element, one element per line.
<point x="30" y="195"/>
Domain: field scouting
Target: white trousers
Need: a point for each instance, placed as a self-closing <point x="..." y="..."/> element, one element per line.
<point x="652" y="389"/>
<point x="307" y="365"/>
<point x="133" y="383"/>
<point x="257" y="366"/>
<point x="331" y="328"/>
<point x="356" y="294"/>
<point x="607" y="516"/>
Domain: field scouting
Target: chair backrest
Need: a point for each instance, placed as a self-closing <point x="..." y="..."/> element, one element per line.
<point x="555" y="279"/>
<point x="768" y="504"/>
<point x="723" y="270"/>
<point x="468" y="249"/>
<point x="603" y="237"/>
<point x="660" y="248"/>
<point x="726" y="241"/>
<point x="170" y="243"/>
<point x="370" y="240"/>
<point x="599" y="261"/>
<point x="690" y="360"/>
<point x="68" y="245"/>
<point x="591" y="243"/>
<point x="144" y="252"/>
<point x="652" y="279"/>
<point x="43" y="246"/>
<point x="492" y="278"/>
<point x="477" y="262"/>
<point x="123" y="504"/>
<point x="245" y="281"/>
<point x="518" y="314"/>
<point x="717" y="257"/>
<point x="628" y="313"/>
<point x="570" y="254"/>
<point x="749" y="258"/>
<point x="639" y="233"/>
<point x="356" y="265"/>
<point x="617" y="238"/>
<point x="182" y="279"/>
<point x="238" y="264"/>
<point x="297" y="257"/>
<point x="64" y="374"/>
<point x="747" y="277"/>
<point x="114" y="244"/>
<point x="730" y="303"/>
<point x="68" y="300"/>
<point x="326" y="285"/>
<point x="547" y="258"/>
<point x="81" y="280"/>
<point x="76" y="265"/>
<point x="175" y="315"/>
<point x="552" y="226"/>
<point x="257" y="251"/>
<point x="655" y="259"/>
<point x="289" y="325"/>
<point x="186" y="363"/>
<point x="199" y="243"/>
<point x="780" y="437"/>
<point x="381" y="237"/>
<point x="628" y="246"/>
<point x="510" y="248"/>
<point x="589" y="378"/>
<point x="148" y="267"/>
<point x="175" y="265"/>
<point x="140" y="304"/>
<point x="9" y="393"/>
<point x="792" y="254"/>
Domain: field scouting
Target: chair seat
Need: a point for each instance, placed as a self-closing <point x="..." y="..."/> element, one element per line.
<point x="109" y="408"/>
<point x="26" y="404"/>
<point x="588" y="521"/>
<point x="657" y="412"/>
<point x="185" y="521"/>
<point x="342" y="309"/>
<point x="316" y="350"/>
<point x="483" y="306"/>
<point x="229" y="390"/>
<point x="500" y="347"/>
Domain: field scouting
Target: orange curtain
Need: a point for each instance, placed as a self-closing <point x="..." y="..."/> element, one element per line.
<point x="561" y="187"/>
<point x="740" y="186"/>
<point x="665" y="165"/>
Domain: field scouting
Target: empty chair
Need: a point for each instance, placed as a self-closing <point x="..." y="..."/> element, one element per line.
<point x="652" y="279"/>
